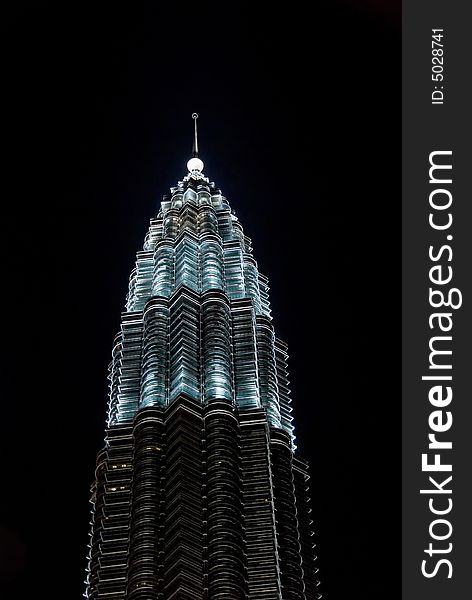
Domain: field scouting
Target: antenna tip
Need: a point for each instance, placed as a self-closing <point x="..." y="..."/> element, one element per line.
<point x="194" y="116"/>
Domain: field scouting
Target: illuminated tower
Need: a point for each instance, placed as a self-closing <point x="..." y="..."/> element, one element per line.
<point x="199" y="492"/>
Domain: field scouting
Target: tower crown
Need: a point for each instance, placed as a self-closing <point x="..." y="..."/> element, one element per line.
<point x="196" y="255"/>
<point x="198" y="492"/>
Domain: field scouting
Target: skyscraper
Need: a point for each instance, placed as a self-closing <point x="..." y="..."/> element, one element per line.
<point x="199" y="491"/>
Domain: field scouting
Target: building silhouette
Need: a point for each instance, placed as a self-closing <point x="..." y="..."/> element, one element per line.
<point x="198" y="492"/>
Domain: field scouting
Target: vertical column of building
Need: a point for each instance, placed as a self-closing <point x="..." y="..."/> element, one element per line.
<point x="283" y="386"/>
<point x="171" y="223"/>
<point x="234" y="269"/>
<point x="212" y="271"/>
<point x="267" y="370"/>
<point x="251" y="280"/>
<point x="187" y="262"/>
<point x="147" y="514"/>
<point x="188" y="216"/>
<point x="246" y="382"/>
<point x="291" y="574"/>
<point x="305" y="524"/>
<point x="97" y="500"/>
<point x="183" y="540"/>
<point x="259" y="520"/>
<point x="114" y="378"/>
<point x="211" y="250"/>
<point x="184" y="347"/>
<point x="155" y="354"/>
<point x="130" y="296"/>
<point x="110" y="538"/>
<point x="129" y="366"/>
<point x="164" y="269"/>
<point x="264" y="293"/>
<point x="154" y="233"/>
<point x="224" y="527"/>
<point x="225" y="223"/>
<point x="207" y="220"/>
<point x="144" y="276"/>
<point x="216" y="347"/>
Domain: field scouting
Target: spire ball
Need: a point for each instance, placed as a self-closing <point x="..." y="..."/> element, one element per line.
<point x="195" y="164"/>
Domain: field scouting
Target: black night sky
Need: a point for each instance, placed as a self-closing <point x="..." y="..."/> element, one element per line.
<point x="300" y="128"/>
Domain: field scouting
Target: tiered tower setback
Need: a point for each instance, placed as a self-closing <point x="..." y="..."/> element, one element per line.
<point x="199" y="490"/>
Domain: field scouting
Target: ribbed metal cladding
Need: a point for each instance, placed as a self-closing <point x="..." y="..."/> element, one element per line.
<point x="97" y="500"/>
<point x="146" y="550"/>
<point x="288" y="545"/>
<point x="305" y="527"/>
<point x="110" y="526"/>
<point x="224" y="510"/>
<point x="216" y="347"/>
<point x="199" y="493"/>
<point x="183" y="536"/>
<point x="155" y="357"/>
<point x="259" y="518"/>
<point x="267" y="369"/>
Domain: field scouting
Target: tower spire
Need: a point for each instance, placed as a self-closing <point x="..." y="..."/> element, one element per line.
<point x="195" y="165"/>
<point x="195" y="136"/>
